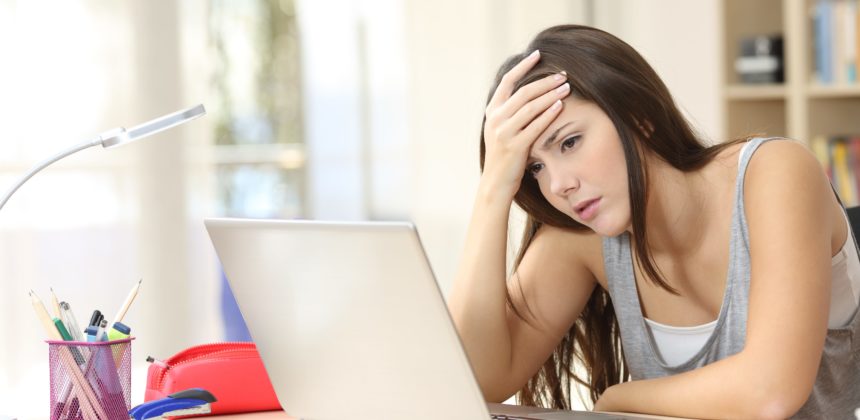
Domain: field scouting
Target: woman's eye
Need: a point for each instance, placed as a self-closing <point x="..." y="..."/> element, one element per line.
<point x="569" y="142"/>
<point x="534" y="169"/>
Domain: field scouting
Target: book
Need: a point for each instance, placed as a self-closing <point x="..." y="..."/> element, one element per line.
<point x="822" y="23"/>
<point x="855" y="152"/>
<point x="837" y="39"/>
<point x="841" y="171"/>
<point x="850" y="174"/>
<point x="849" y="40"/>
<point x="856" y="37"/>
<point x="819" y="148"/>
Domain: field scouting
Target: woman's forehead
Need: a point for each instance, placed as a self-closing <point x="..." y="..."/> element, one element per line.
<point x="575" y="110"/>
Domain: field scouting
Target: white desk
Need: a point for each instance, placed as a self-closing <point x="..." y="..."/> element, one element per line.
<point x="513" y="410"/>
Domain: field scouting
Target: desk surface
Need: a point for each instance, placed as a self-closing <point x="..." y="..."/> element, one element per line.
<point x="280" y="415"/>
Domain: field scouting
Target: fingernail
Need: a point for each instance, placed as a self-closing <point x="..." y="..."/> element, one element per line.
<point x="559" y="77"/>
<point x="556" y="105"/>
<point x="534" y="54"/>
<point x="563" y="88"/>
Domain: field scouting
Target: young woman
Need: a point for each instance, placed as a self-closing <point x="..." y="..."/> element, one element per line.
<point x="727" y="274"/>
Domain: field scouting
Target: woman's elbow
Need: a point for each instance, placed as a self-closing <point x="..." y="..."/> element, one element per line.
<point x="496" y="394"/>
<point x="773" y="388"/>
<point x="781" y="403"/>
<point x="776" y="409"/>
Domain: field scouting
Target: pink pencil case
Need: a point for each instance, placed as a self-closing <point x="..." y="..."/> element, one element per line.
<point x="232" y="371"/>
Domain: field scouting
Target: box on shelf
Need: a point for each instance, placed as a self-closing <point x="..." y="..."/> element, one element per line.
<point x="761" y="60"/>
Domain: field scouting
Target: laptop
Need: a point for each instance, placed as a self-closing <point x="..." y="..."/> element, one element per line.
<point x="350" y="322"/>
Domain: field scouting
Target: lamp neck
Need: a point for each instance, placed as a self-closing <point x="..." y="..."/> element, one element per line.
<point x="70" y="151"/>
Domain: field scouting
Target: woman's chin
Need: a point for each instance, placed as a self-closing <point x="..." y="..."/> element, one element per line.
<point x="602" y="228"/>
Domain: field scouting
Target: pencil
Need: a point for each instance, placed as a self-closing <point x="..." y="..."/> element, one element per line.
<point x="56" y="304"/>
<point x="125" y="305"/>
<point x="44" y="317"/>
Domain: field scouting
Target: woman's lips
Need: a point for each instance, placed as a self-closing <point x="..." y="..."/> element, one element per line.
<point x="589" y="210"/>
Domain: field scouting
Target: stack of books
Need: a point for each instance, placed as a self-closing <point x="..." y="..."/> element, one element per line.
<point x="840" y="157"/>
<point x="836" y="41"/>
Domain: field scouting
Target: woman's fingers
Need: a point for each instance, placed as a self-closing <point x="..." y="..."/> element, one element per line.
<point x="506" y="85"/>
<point x="514" y="120"/>
<point x="529" y="92"/>
<point x="529" y="111"/>
<point x="539" y="124"/>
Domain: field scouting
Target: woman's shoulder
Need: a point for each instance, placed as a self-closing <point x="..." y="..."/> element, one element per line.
<point x="582" y="248"/>
<point x="769" y="149"/>
<point x="783" y="157"/>
<point x="569" y="240"/>
<point x="777" y="154"/>
<point x="784" y="175"/>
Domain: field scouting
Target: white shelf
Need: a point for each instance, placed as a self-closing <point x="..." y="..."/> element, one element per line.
<point x="799" y="108"/>
<point x="755" y="92"/>
<point x="834" y="91"/>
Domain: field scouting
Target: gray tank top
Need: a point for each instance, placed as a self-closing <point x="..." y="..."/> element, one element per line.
<point x="836" y="393"/>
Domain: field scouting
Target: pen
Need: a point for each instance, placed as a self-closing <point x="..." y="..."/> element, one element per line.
<point x="55" y="304"/>
<point x="79" y="358"/>
<point x="71" y="322"/>
<point x="91" y="331"/>
<point x="95" y="318"/>
<point x="156" y="362"/>
<point x="101" y="334"/>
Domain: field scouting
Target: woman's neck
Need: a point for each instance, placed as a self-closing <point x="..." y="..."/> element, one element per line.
<point x="678" y="209"/>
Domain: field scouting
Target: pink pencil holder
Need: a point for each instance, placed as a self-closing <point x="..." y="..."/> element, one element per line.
<point x="90" y="380"/>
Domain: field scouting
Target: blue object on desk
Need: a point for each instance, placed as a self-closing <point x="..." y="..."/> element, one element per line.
<point x="183" y="403"/>
<point x="234" y="324"/>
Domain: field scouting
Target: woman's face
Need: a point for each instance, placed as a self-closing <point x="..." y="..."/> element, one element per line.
<point x="580" y="167"/>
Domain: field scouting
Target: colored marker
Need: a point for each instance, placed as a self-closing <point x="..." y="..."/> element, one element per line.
<point x="118" y="332"/>
<point x="91" y="331"/>
<point x="64" y="333"/>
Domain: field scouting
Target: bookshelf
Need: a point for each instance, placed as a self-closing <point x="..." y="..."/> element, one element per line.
<point x="802" y="107"/>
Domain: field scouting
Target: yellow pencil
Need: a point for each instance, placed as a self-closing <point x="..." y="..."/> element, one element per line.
<point x="56" y="303"/>
<point x="125" y="305"/>
<point x="44" y="317"/>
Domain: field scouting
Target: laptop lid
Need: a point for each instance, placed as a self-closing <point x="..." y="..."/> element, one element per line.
<point x="348" y="319"/>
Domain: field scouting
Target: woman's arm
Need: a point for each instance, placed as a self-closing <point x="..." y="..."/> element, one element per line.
<point x="503" y="350"/>
<point x="791" y="212"/>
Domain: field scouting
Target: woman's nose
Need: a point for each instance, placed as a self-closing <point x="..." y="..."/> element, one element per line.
<point x="563" y="182"/>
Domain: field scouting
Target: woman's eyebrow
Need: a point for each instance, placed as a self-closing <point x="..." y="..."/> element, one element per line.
<point x="549" y="140"/>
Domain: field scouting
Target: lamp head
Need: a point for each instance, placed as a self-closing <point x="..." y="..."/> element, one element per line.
<point x="120" y="136"/>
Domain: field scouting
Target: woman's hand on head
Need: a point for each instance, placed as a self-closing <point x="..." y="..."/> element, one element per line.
<point x="515" y="120"/>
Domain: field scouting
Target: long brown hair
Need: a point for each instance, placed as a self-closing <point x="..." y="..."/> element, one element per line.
<point x="606" y="71"/>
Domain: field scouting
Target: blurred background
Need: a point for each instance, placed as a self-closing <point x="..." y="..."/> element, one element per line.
<point x="318" y="109"/>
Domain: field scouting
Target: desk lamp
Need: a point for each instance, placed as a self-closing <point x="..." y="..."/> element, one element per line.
<point x="113" y="138"/>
